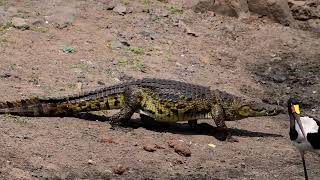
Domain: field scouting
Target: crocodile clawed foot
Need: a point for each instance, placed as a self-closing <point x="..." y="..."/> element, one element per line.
<point x="120" y="125"/>
<point x="232" y="139"/>
<point x="225" y="135"/>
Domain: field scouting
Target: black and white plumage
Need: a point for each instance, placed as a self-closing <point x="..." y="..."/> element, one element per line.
<point x="304" y="131"/>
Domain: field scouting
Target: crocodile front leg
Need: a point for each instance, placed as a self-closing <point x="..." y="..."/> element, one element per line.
<point x="130" y="105"/>
<point x="219" y="119"/>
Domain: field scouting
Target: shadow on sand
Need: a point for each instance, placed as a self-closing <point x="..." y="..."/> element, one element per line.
<point x="178" y="128"/>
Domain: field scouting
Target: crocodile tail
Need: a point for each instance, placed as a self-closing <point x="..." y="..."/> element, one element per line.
<point x="111" y="97"/>
<point x="34" y="107"/>
<point x="61" y="106"/>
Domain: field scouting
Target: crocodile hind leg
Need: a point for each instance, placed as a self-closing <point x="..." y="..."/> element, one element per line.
<point x="130" y="105"/>
<point x="219" y="119"/>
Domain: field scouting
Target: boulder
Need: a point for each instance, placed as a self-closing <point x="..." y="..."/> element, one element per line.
<point x="305" y="10"/>
<point x="277" y="10"/>
<point x="19" y="23"/>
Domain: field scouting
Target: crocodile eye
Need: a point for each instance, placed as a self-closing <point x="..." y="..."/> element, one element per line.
<point x="244" y="111"/>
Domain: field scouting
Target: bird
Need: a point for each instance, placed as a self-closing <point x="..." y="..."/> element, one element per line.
<point x="304" y="131"/>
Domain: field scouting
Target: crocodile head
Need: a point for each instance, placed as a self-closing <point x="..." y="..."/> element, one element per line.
<point x="240" y="109"/>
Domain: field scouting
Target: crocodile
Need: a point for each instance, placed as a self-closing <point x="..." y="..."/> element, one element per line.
<point x="166" y="101"/>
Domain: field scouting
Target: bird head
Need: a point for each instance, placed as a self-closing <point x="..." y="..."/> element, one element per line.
<point x="294" y="113"/>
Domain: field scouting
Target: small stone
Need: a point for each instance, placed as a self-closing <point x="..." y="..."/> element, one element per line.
<point x="106" y="140"/>
<point x="212" y="145"/>
<point x="20" y="23"/>
<point x="120" y="169"/>
<point x="110" y="5"/>
<point x="158" y="146"/>
<point x="243" y="165"/>
<point x="149" y="147"/>
<point x="180" y="148"/>
<point x="5" y="75"/>
<point x="120" y="9"/>
<point x="101" y="83"/>
<point x="90" y="161"/>
<point x="178" y="64"/>
<point x="276" y="59"/>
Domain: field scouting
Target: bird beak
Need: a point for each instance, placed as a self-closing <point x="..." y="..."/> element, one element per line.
<point x="296" y="114"/>
<point x="297" y="118"/>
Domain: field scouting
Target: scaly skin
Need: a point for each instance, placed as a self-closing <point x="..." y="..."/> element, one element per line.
<point x="162" y="100"/>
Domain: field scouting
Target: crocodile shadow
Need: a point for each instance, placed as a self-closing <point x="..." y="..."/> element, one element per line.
<point x="178" y="128"/>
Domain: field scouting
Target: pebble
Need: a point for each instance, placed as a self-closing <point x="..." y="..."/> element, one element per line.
<point x="19" y="23"/>
<point x="120" y="9"/>
<point x="149" y="147"/>
<point x="120" y="169"/>
<point x="212" y="145"/>
<point x="90" y="161"/>
<point x="180" y="148"/>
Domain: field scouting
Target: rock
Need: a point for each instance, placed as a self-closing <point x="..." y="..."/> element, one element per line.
<point x="120" y="169"/>
<point x="19" y="23"/>
<point x="62" y="16"/>
<point x="149" y="147"/>
<point x="314" y="24"/>
<point x="240" y="7"/>
<point x="201" y="6"/>
<point x="301" y="12"/>
<point x="5" y="75"/>
<point x="106" y="140"/>
<point x="187" y="29"/>
<point x="294" y="2"/>
<point x="120" y="9"/>
<point x="90" y="161"/>
<point x="277" y="10"/>
<point x="180" y="148"/>
<point x="212" y="145"/>
<point x="234" y="8"/>
<point x="109" y="5"/>
<point x="36" y="21"/>
<point x="304" y="10"/>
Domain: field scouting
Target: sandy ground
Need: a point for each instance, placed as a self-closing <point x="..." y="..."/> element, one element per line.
<point x="248" y="57"/>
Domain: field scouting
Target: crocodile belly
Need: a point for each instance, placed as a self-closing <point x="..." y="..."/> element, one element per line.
<point x="173" y="118"/>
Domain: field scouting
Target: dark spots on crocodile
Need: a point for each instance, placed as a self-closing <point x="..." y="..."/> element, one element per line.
<point x="97" y="105"/>
<point x="160" y="111"/>
<point x="24" y="103"/>
<point x="116" y="101"/>
<point x="40" y="108"/>
<point x="181" y="106"/>
<point x="9" y="104"/>
<point x="167" y="106"/>
<point x="175" y="111"/>
<point x="107" y="104"/>
<point x="150" y="111"/>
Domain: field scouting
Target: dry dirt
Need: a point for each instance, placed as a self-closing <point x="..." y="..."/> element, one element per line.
<point x="249" y="57"/>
